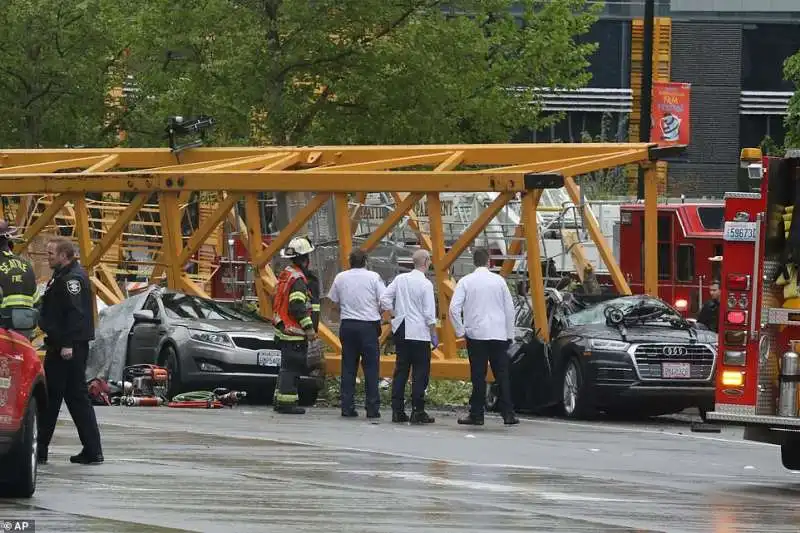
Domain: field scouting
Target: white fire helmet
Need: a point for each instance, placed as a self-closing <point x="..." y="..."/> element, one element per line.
<point x="297" y="246"/>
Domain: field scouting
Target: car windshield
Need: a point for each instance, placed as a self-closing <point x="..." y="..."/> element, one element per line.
<point x="192" y="307"/>
<point x="627" y="304"/>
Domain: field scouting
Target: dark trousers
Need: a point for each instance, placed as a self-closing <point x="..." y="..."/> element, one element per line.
<point x="360" y="339"/>
<point x="293" y="364"/>
<point x="415" y="356"/>
<point x="493" y="352"/>
<point x="66" y="381"/>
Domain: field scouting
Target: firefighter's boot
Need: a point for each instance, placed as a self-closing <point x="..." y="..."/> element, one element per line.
<point x="289" y="409"/>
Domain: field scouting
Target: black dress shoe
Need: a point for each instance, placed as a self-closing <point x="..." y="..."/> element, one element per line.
<point x="374" y="416"/>
<point x="83" y="459"/>
<point x="421" y="417"/>
<point x="399" y="416"/>
<point x="351" y="413"/>
<point x="470" y="420"/>
<point x="510" y="420"/>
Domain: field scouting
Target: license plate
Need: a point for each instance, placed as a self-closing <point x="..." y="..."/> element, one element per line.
<point x="269" y="358"/>
<point x="739" y="231"/>
<point x="676" y="370"/>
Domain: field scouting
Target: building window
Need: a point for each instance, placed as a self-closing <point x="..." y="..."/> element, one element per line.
<point x="765" y="47"/>
<point x="685" y="262"/>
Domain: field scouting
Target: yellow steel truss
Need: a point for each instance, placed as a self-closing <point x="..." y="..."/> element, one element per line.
<point x="408" y="173"/>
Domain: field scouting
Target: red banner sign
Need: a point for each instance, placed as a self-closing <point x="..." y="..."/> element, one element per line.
<point x="669" y="115"/>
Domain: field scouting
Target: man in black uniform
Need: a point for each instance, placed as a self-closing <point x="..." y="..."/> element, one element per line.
<point x="18" y="285"/>
<point x="68" y="321"/>
<point x="709" y="313"/>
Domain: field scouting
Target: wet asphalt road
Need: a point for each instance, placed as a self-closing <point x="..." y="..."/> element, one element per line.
<point x="247" y="470"/>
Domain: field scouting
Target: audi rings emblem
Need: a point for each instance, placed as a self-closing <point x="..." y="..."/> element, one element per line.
<point x="673" y="350"/>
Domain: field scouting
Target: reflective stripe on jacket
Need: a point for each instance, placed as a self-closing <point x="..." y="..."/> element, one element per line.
<point x="287" y="326"/>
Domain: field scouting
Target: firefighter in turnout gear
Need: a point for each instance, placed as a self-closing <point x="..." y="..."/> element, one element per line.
<point x="20" y="294"/>
<point x="294" y="324"/>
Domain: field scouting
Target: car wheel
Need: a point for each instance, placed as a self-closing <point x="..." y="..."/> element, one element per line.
<point x="572" y="390"/>
<point x="169" y="359"/>
<point x="22" y="483"/>
<point x="492" y="397"/>
<point x="308" y="398"/>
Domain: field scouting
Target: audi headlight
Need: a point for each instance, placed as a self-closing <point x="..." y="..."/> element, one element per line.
<point x="217" y="339"/>
<point x="604" y="345"/>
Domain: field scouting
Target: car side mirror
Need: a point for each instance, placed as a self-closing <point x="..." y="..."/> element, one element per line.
<point x="146" y="316"/>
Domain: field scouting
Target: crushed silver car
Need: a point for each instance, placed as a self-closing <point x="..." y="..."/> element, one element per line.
<point x="207" y="344"/>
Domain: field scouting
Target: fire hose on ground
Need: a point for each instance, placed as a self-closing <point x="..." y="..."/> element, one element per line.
<point x="146" y="386"/>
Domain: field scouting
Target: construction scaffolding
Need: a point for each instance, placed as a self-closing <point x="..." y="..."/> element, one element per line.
<point x="107" y="200"/>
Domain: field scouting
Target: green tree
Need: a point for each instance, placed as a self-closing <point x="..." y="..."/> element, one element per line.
<point x="353" y="71"/>
<point x="56" y="69"/>
<point x="791" y="72"/>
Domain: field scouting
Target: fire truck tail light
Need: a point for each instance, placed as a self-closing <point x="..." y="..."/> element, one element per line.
<point x="681" y="304"/>
<point x="736" y="318"/>
<point x="736" y="338"/>
<point x="734" y="358"/>
<point x="738" y="282"/>
<point x="733" y="378"/>
<point x="743" y="302"/>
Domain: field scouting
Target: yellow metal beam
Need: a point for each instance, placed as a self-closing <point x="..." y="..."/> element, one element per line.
<point x="395" y="162"/>
<point x="448" y="337"/>
<point x="297" y="222"/>
<point x="44" y="219"/>
<point x="597" y="236"/>
<point x="481" y="154"/>
<point x="208" y="226"/>
<point x="273" y="180"/>
<point x="343" y="232"/>
<point x="475" y="228"/>
<point x="361" y="198"/>
<point x="651" y="230"/>
<point x="284" y="162"/>
<point x="84" y="239"/>
<point x="172" y="237"/>
<point x="534" y="266"/>
<point x="391" y="221"/>
<point x="116" y="230"/>
<point x="253" y="216"/>
<point x="52" y="166"/>
<point x="108" y="296"/>
<point x="413" y="222"/>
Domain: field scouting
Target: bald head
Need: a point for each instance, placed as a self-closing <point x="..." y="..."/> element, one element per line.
<point x="421" y="258"/>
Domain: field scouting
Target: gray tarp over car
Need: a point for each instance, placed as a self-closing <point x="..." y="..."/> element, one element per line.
<point x="108" y="351"/>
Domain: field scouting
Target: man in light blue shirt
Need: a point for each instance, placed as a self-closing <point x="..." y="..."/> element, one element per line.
<point x="410" y="298"/>
<point x="357" y="292"/>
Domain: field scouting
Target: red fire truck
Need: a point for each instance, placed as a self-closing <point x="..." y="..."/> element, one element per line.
<point x="759" y="337"/>
<point x="689" y="236"/>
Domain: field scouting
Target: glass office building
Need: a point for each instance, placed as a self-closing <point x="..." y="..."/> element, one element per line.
<point x="731" y="51"/>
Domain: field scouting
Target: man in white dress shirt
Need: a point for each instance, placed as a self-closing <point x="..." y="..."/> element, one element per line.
<point x="410" y="298"/>
<point x="488" y="327"/>
<point x="357" y="292"/>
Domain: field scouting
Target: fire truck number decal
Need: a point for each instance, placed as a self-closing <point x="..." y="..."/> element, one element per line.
<point x="740" y="231"/>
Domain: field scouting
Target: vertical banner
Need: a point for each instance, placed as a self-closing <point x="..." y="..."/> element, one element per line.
<point x="669" y="115"/>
